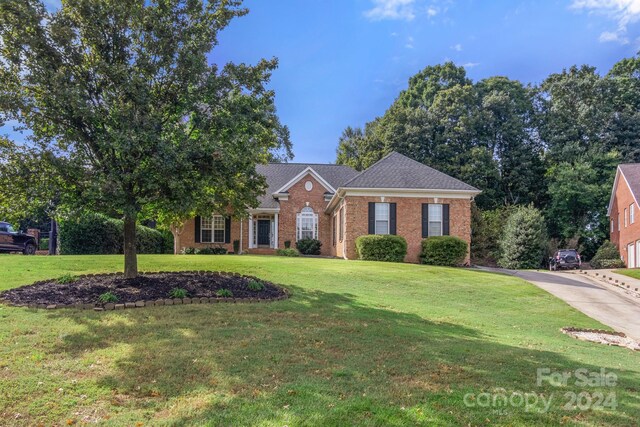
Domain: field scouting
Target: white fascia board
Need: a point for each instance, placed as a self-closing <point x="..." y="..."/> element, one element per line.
<point x="308" y="170"/>
<point x="615" y="185"/>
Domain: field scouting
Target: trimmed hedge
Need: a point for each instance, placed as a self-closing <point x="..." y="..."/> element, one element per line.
<point x="97" y="234"/>
<point x="448" y="251"/>
<point x="375" y="247"/>
<point x="287" y="252"/>
<point x="309" y="246"/>
<point x="607" y="257"/>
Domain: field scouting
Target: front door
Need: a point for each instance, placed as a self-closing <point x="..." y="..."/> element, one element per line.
<point x="631" y="256"/>
<point x="264" y="228"/>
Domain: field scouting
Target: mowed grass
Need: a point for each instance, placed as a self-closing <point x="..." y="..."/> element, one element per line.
<point x="358" y="343"/>
<point x="630" y="272"/>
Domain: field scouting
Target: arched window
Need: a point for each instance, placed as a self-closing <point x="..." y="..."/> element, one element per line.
<point x="307" y="224"/>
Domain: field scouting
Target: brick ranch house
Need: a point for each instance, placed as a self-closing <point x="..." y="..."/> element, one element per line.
<point x="624" y="224"/>
<point x="335" y="204"/>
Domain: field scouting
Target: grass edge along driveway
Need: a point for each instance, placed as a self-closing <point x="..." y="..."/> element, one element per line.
<point x="358" y="343"/>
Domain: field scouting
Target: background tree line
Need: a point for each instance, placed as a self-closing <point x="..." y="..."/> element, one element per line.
<point x="555" y="145"/>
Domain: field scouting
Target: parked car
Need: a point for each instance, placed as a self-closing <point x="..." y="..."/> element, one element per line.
<point x="15" y="241"/>
<point x="565" y="259"/>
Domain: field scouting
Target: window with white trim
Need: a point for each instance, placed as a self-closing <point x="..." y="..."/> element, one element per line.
<point x="307" y="224"/>
<point x="212" y="230"/>
<point x="382" y="218"/>
<point x="618" y="222"/>
<point x="612" y="226"/>
<point x="435" y="219"/>
<point x="632" y="213"/>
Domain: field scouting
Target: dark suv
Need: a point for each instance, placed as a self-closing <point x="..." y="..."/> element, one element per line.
<point x="565" y="258"/>
<point x="14" y="241"/>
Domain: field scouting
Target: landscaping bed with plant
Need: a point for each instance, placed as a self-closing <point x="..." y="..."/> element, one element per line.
<point x="109" y="290"/>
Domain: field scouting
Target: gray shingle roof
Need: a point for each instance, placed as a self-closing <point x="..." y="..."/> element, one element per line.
<point x="398" y="171"/>
<point x="631" y="172"/>
<point x="278" y="174"/>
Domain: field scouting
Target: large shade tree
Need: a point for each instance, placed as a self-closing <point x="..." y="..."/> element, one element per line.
<point x="126" y="92"/>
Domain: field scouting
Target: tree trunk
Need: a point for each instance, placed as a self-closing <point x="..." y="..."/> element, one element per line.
<point x="130" y="256"/>
<point x="53" y="237"/>
<point x="176" y="230"/>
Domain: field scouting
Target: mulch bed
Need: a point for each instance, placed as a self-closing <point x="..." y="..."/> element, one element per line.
<point x="86" y="289"/>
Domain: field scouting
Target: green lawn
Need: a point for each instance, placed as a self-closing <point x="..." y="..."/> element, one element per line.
<point x="631" y="272"/>
<point x="357" y="343"/>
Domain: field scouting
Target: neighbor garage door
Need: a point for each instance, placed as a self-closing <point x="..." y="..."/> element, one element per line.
<point x="631" y="255"/>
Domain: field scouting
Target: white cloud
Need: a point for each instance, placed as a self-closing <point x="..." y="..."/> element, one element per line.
<point x="392" y="9"/>
<point x="457" y="47"/>
<point x="470" y="64"/>
<point x="624" y="12"/>
<point x="432" y="11"/>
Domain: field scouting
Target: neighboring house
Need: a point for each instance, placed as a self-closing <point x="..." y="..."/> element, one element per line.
<point x="624" y="222"/>
<point x="336" y="204"/>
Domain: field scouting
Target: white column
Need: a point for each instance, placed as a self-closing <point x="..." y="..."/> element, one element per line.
<point x="250" y="231"/>
<point x="275" y="237"/>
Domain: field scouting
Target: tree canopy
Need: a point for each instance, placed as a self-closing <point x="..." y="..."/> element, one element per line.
<point x="126" y="92"/>
<point x="555" y="145"/>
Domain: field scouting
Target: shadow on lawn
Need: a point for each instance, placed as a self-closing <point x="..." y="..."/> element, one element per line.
<point x="318" y="358"/>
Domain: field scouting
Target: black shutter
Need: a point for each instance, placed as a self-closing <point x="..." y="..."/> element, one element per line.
<point x="425" y="220"/>
<point x="445" y="220"/>
<point x="227" y="230"/>
<point x="392" y="218"/>
<point x="372" y="218"/>
<point x="197" y="220"/>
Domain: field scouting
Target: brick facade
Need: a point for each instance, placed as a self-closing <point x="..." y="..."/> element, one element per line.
<point x="299" y="198"/>
<point x="353" y="212"/>
<point x="408" y="221"/>
<point x="623" y="235"/>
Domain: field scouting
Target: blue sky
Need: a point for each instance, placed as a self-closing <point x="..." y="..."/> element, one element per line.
<point x="343" y="62"/>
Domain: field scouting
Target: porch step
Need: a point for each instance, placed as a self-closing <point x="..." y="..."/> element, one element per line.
<point x="261" y="251"/>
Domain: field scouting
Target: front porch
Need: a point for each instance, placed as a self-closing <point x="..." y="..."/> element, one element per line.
<point x="263" y="232"/>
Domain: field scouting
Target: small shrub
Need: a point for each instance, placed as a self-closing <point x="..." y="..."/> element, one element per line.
<point x="108" y="297"/>
<point x="224" y="293"/>
<point x="448" y="251"/>
<point x="236" y="247"/>
<point x="287" y="252"/>
<point x="178" y="293"/>
<point x="188" y="251"/>
<point x="215" y="250"/>
<point x="67" y="278"/>
<point x="43" y="245"/>
<point x="287" y="244"/>
<point x="255" y="285"/>
<point x="375" y="247"/>
<point x="607" y="256"/>
<point x="309" y="246"/>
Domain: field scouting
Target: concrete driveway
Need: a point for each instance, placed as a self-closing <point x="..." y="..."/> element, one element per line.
<point x="598" y="301"/>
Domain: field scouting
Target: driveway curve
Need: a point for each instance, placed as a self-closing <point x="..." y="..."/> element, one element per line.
<point x="598" y="301"/>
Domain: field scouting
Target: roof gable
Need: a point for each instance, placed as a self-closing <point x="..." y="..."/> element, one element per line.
<point x="630" y="173"/>
<point x="278" y="175"/>
<point x="308" y="171"/>
<point x="396" y="171"/>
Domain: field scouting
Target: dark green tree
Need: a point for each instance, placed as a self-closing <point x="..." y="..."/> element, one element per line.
<point x="524" y="239"/>
<point x="125" y="92"/>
